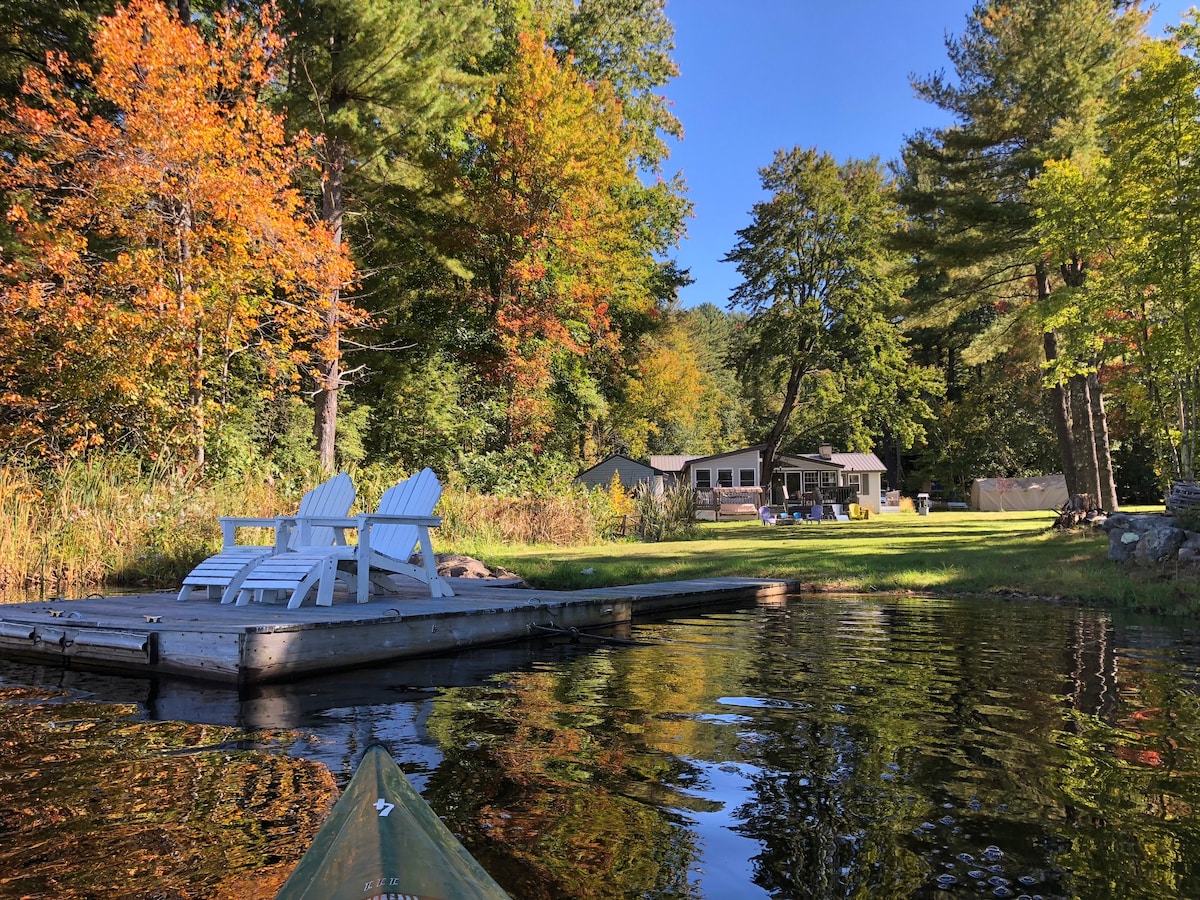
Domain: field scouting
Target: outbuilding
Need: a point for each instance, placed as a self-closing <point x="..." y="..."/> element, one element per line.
<point x="631" y="473"/>
<point x="1019" y="494"/>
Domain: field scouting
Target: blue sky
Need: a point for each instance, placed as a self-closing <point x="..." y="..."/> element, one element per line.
<point x="759" y="75"/>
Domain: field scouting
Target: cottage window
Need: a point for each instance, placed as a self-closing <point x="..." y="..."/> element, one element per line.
<point x="828" y="479"/>
<point x="810" y="482"/>
<point x="852" y="480"/>
<point x="725" y="477"/>
<point x="746" y="477"/>
<point x="704" y="478"/>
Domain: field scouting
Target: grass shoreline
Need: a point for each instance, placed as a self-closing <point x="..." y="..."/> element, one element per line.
<point x="946" y="553"/>
<point x="97" y="528"/>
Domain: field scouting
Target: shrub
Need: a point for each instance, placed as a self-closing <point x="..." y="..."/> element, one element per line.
<point x="666" y="516"/>
<point x="517" y="472"/>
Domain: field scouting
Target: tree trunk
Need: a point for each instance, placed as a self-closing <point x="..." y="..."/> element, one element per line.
<point x="183" y="257"/>
<point x="1108" y="481"/>
<point x="1088" y="423"/>
<point x="1059" y="401"/>
<point x="196" y="398"/>
<point x="1083" y="437"/>
<point x="329" y="368"/>
<point x="771" y="449"/>
<point x="1062" y="419"/>
<point x="1186" y="460"/>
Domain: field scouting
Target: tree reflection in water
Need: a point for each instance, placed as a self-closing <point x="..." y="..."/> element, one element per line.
<point x="97" y="802"/>
<point x="829" y="747"/>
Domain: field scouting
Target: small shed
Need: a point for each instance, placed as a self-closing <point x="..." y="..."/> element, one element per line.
<point x="1019" y="494"/>
<point x="630" y="472"/>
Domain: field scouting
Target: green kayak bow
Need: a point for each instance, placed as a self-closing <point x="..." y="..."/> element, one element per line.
<point x="383" y="842"/>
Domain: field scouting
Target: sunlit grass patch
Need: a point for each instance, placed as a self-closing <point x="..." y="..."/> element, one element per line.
<point x="946" y="552"/>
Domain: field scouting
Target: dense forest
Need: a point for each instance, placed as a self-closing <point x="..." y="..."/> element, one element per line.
<point x="252" y="237"/>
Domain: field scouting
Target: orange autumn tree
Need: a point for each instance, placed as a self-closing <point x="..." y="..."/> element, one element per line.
<point x="160" y="236"/>
<point x="555" y="244"/>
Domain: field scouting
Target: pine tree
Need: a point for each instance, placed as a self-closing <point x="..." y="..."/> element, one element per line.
<point x="386" y="84"/>
<point x="1032" y="79"/>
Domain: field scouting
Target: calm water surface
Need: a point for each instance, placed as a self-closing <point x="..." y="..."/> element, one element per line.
<point x="828" y="747"/>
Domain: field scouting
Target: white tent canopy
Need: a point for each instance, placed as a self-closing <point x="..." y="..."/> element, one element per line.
<point x="1019" y="494"/>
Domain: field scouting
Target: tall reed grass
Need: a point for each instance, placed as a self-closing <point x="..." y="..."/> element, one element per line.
<point x="470" y="518"/>
<point x="86" y="525"/>
<point x="107" y="524"/>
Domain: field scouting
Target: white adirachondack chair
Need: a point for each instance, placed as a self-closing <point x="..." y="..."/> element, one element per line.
<point x="386" y="541"/>
<point x="222" y="575"/>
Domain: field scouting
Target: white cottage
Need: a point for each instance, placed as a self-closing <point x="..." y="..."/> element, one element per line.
<point x="728" y="483"/>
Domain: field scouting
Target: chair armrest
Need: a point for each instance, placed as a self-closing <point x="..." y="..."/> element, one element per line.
<point x="230" y="524"/>
<point x="368" y="520"/>
<point x="339" y="524"/>
<point x="384" y="519"/>
<point x="328" y="521"/>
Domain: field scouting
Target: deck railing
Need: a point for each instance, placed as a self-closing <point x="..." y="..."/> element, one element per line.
<point x="843" y="494"/>
<point x="749" y="499"/>
<point x="730" y="500"/>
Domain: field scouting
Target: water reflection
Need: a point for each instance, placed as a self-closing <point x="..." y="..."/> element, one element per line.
<point x="829" y="747"/>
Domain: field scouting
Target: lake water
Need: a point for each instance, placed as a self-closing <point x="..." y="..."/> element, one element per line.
<point x="818" y="747"/>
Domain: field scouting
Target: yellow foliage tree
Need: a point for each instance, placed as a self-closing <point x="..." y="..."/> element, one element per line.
<point x="160" y="234"/>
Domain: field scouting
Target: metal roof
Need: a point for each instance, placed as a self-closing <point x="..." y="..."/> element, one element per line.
<point x="671" y="463"/>
<point x="853" y="462"/>
<point x="794" y="459"/>
<point x="859" y="462"/>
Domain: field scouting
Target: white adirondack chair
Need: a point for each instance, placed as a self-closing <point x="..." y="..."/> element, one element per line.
<point x="386" y="541"/>
<point x="222" y="575"/>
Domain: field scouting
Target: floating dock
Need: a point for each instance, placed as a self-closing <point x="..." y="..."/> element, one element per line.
<point x="264" y="643"/>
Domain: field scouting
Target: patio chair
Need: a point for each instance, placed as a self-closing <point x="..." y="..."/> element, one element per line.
<point x="223" y="573"/>
<point x="817" y="513"/>
<point x="386" y="541"/>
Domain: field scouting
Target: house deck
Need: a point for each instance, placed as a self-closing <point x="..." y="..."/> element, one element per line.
<point x="262" y="643"/>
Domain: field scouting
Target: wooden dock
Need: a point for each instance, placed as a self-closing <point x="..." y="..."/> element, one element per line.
<point x="264" y="643"/>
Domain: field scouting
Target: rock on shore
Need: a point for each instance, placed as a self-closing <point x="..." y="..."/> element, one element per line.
<point x="454" y="565"/>
<point x="1150" y="539"/>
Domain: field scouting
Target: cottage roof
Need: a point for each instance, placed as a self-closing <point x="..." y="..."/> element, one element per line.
<point x="807" y="459"/>
<point x="861" y="462"/>
<point x="671" y="463"/>
<point x="858" y="462"/>
<point x="853" y="462"/>
<point x="618" y="459"/>
<point x="739" y="452"/>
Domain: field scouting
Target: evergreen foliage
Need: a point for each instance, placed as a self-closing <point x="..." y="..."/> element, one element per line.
<point x="1031" y="79"/>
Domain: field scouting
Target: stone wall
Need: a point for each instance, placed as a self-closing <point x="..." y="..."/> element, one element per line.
<point x="1150" y="539"/>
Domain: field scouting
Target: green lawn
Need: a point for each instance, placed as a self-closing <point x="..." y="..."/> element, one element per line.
<point x="944" y="552"/>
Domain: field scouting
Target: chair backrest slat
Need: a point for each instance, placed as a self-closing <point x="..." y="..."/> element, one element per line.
<point x="415" y="496"/>
<point x="331" y="498"/>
